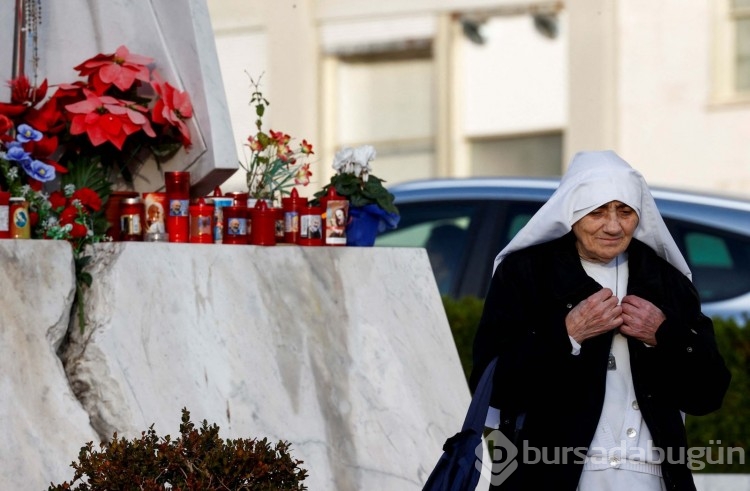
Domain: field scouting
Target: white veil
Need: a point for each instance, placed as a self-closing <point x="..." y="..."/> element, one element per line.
<point x="593" y="179"/>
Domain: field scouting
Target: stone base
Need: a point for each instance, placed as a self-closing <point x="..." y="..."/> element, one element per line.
<point x="344" y="352"/>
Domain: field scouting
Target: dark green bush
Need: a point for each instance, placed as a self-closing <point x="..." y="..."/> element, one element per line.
<point x="463" y="317"/>
<point x="729" y="426"/>
<point x="726" y="428"/>
<point x="198" y="460"/>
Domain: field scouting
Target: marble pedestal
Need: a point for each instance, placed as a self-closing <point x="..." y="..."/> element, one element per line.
<point x="344" y="352"/>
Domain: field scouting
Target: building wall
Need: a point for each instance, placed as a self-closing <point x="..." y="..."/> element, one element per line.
<point x="671" y="116"/>
<point x="642" y="78"/>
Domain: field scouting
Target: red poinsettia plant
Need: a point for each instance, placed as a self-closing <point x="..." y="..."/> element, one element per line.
<point x="122" y="114"/>
<point x="63" y="151"/>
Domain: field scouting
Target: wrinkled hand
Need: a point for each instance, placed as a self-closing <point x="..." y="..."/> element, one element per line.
<point x="641" y="319"/>
<point x="595" y="315"/>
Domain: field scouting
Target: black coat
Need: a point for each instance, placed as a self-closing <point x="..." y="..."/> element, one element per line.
<point x="561" y="395"/>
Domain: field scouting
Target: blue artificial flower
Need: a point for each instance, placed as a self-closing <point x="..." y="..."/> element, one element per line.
<point x="26" y="134"/>
<point x="39" y="170"/>
<point x="17" y="153"/>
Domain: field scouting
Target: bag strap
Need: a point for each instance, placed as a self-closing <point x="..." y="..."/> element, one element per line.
<point x="480" y="402"/>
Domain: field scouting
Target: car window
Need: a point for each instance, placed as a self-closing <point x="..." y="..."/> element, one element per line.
<point x="719" y="260"/>
<point x="442" y="228"/>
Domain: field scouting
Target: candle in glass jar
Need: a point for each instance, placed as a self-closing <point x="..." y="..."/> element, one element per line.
<point x="178" y="199"/>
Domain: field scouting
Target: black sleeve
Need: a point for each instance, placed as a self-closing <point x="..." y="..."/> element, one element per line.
<point x="689" y="367"/>
<point x="522" y="327"/>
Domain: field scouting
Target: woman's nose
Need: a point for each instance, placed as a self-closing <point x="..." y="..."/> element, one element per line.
<point x="612" y="224"/>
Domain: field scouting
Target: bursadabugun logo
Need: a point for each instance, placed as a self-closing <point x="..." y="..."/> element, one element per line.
<point x="501" y="459"/>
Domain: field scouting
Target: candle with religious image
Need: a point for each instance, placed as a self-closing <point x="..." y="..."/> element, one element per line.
<point x="178" y="200"/>
<point x="201" y="221"/>
<point x="337" y="215"/>
<point x="4" y="215"/>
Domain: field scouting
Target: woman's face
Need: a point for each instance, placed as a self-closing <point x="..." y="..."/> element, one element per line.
<point x="606" y="232"/>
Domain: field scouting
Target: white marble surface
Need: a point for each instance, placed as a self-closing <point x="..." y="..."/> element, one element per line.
<point x="42" y="423"/>
<point x="344" y="352"/>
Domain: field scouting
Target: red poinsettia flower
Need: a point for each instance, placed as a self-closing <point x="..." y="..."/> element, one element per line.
<point x="22" y="96"/>
<point x="57" y="200"/>
<point x="172" y="108"/>
<point x="88" y="198"/>
<point x="48" y="119"/>
<point x="120" y="69"/>
<point x="104" y="118"/>
<point x="5" y="124"/>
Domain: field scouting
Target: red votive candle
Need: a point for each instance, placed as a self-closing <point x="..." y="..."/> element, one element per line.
<point x="178" y="200"/>
<point x="310" y="226"/>
<point x="292" y="207"/>
<point x="201" y="221"/>
<point x="4" y="215"/>
<point x="263" y="221"/>
<point x="235" y="225"/>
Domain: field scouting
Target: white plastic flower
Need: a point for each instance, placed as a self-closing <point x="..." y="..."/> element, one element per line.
<point x="363" y="155"/>
<point x="342" y="160"/>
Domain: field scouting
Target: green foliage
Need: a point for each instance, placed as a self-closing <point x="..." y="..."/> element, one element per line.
<point x="463" y="317"/>
<point x="196" y="461"/>
<point x="361" y="193"/>
<point x="729" y="427"/>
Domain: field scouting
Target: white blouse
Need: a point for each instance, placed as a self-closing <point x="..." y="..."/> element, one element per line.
<point x="621" y="454"/>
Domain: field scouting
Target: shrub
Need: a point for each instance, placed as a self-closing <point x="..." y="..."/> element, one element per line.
<point x="729" y="427"/>
<point x="463" y="317"/>
<point x="197" y="460"/>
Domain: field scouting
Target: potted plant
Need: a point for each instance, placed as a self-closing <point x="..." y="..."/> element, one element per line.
<point x="371" y="206"/>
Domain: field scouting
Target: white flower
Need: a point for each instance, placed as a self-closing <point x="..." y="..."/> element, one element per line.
<point x="363" y="155"/>
<point x="354" y="161"/>
<point x="13" y="173"/>
<point x="69" y="189"/>
<point x="342" y="160"/>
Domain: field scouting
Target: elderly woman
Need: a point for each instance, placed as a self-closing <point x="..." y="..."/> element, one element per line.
<point x="600" y="339"/>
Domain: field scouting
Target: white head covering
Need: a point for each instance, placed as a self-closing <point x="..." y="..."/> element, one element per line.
<point x="594" y="179"/>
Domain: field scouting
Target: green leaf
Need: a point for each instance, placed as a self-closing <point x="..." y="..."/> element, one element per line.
<point x="85" y="278"/>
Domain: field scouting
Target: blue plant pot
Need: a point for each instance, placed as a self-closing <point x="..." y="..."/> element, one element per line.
<point x="364" y="224"/>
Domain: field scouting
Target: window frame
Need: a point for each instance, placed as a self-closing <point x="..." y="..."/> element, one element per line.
<point x="725" y="57"/>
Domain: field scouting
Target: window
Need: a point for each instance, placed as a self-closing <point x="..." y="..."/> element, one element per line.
<point x="386" y="100"/>
<point x="442" y="228"/>
<point x="741" y="19"/>
<point x="719" y="260"/>
<point x="731" y="76"/>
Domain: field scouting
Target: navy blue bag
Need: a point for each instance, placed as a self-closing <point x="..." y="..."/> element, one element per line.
<point x="457" y="468"/>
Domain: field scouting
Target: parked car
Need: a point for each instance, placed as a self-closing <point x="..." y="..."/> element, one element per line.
<point x="464" y="223"/>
